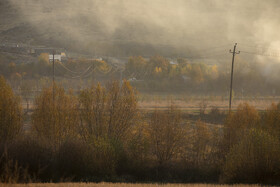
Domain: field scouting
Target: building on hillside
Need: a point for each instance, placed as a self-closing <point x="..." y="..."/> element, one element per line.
<point x="173" y="62"/>
<point x="57" y="57"/>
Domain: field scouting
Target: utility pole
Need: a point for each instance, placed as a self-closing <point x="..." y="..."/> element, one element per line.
<point x="231" y="79"/>
<point x="53" y="75"/>
<point x="121" y="77"/>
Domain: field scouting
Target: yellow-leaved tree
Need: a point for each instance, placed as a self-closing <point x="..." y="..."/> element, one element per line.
<point x="272" y="120"/>
<point x="255" y="158"/>
<point x="245" y="118"/>
<point x="93" y="111"/>
<point x="55" y="120"/>
<point x="122" y="109"/>
<point x="10" y="112"/>
<point x="166" y="134"/>
<point x="108" y="112"/>
<point x="108" y="115"/>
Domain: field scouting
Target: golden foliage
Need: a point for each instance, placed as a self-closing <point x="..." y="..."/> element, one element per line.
<point x="237" y="123"/>
<point x="10" y="112"/>
<point x="202" y="138"/>
<point x="254" y="159"/>
<point x="272" y="120"/>
<point x="93" y="111"/>
<point x="103" y="184"/>
<point x="109" y="111"/>
<point x="55" y="120"/>
<point x="43" y="59"/>
<point x="166" y="134"/>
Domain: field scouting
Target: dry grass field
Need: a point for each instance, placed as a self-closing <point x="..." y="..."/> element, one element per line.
<point x="194" y="104"/>
<point x="118" y="185"/>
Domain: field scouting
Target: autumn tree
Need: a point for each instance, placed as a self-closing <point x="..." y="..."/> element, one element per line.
<point x="166" y="134"/>
<point x="122" y="109"/>
<point x="26" y="92"/>
<point x="254" y="159"/>
<point x="93" y="111"/>
<point x="108" y="115"/>
<point x="201" y="142"/>
<point x="10" y="112"/>
<point x="136" y="67"/>
<point x="197" y="74"/>
<point x="246" y="117"/>
<point x="108" y="111"/>
<point x="43" y="67"/>
<point x="43" y="58"/>
<point x="56" y="119"/>
<point x="272" y="120"/>
<point x="158" y="66"/>
<point x="138" y="145"/>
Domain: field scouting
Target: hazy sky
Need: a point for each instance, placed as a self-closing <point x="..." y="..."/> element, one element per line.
<point x="180" y="24"/>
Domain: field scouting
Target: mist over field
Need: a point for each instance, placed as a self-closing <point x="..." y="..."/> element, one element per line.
<point x="144" y="27"/>
<point x="132" y="92"/>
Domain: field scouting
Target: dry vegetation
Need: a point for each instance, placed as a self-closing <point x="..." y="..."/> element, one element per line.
<point x="119" y="185"/>
<point x="100" y="135"/>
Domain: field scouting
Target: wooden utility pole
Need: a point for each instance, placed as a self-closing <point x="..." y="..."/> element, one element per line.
<point x="53" y="75"/>
<point x="231" y="79"/>
<point x="121" y="77"/>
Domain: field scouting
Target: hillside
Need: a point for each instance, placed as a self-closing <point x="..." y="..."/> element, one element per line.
<point x="45" y="25"/>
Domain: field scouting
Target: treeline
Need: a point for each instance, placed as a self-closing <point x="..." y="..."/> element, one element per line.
<point x="100" y="135"/>
<point x="161" y="74"/>
<point x="40" y="70"/>
<point x="152" y="75"/>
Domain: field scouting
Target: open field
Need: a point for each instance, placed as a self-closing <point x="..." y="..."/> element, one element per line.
<point x="193" y="105"/>
<point x="118" y="185"/>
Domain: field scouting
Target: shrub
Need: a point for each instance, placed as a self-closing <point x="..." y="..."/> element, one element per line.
<point x="73" y="160"/>
<point x="272" y="120"/>
<point x="237" y="123"/>
<point x="254" y="159"/>
<point x="29" y="158"/>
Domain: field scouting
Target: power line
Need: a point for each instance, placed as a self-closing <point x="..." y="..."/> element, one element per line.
<point x="268" y="54"/>
<point x="258" y="46"/>
<point x="209" y="56"/>
<point x="74" y="72"/>
<point x="214" y="47"/>
<point x="71" y="76"/>
<point x="105" y="72"/>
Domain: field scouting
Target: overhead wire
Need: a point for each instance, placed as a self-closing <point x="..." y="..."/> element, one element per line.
<point x="90" y="73"/>
<point x="105" y="72"/>
<point x="83" y="75"/>
<point x="221" y="53"/>
<point x="74" y="72"/>
<point x="262" y="54"/>
<point x="215" y="47"/>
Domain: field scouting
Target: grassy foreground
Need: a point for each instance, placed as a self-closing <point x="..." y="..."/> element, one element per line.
<point x="117" y="185"/>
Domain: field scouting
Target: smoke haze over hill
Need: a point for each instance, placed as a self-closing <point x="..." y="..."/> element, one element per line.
<point x="159" y="26"/>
